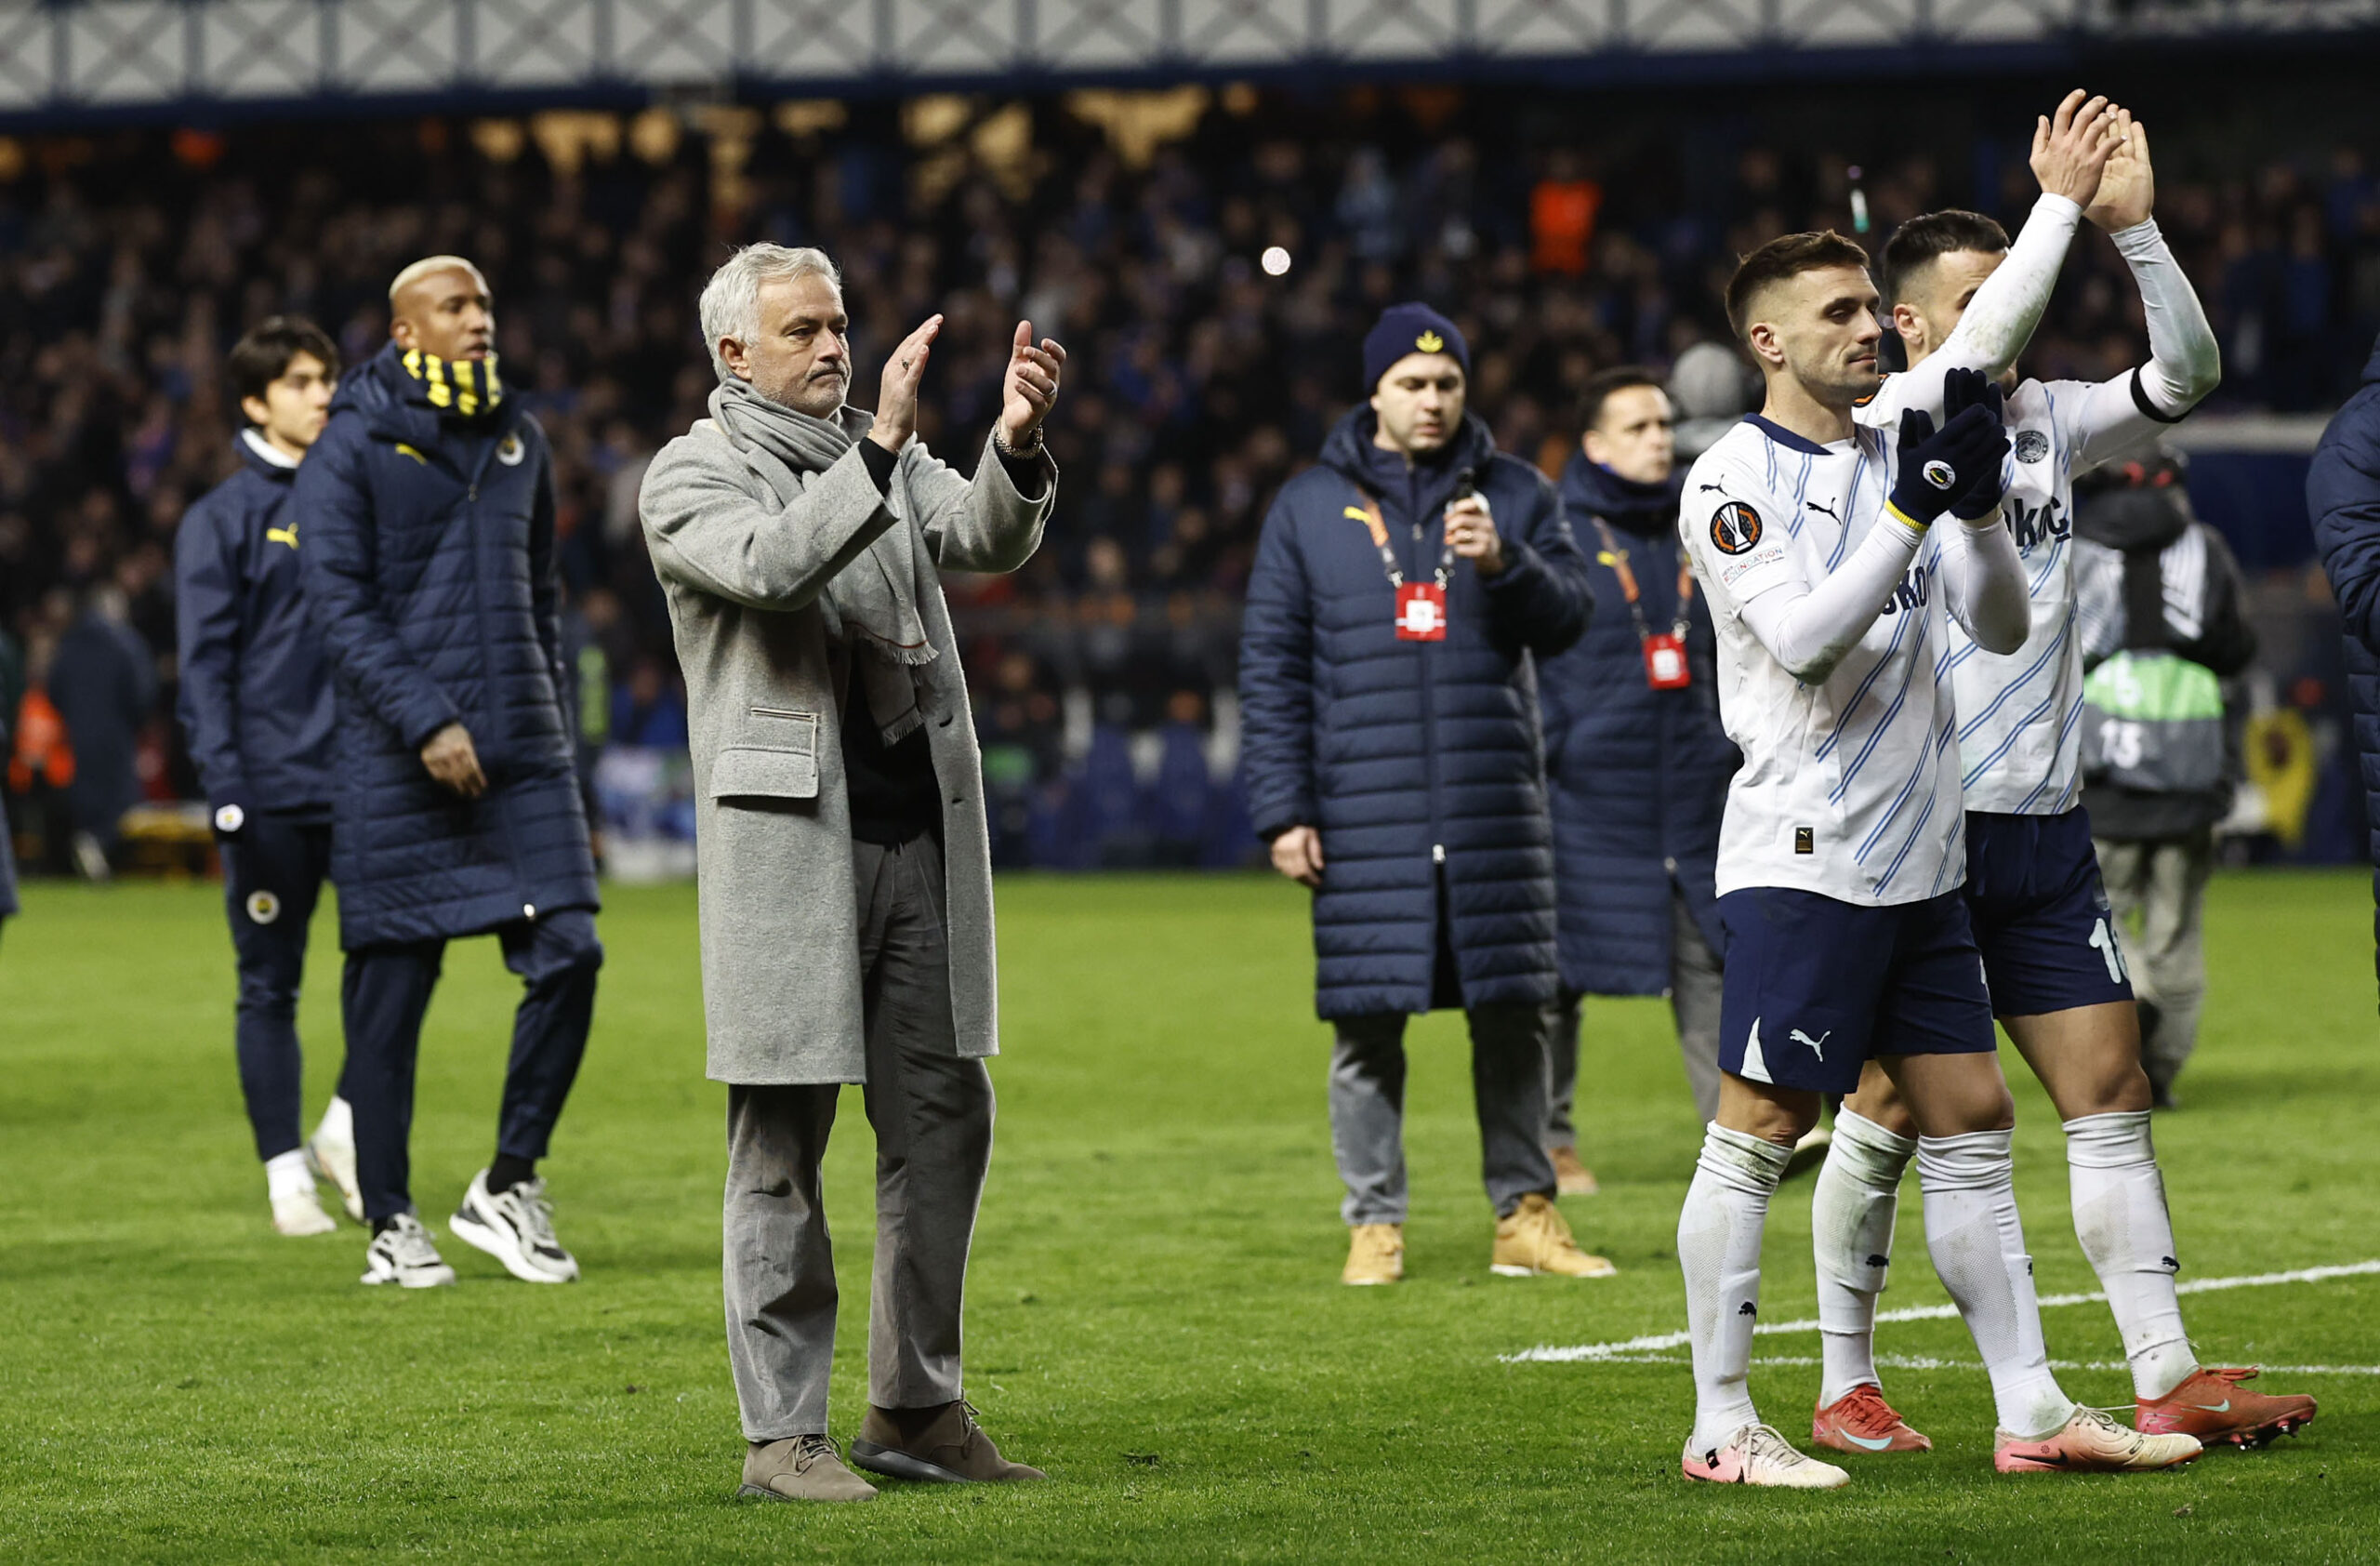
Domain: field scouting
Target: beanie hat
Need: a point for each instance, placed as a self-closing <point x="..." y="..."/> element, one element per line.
<point x="1410" y="328"/>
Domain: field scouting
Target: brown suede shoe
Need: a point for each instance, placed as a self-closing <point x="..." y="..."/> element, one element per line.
<point x="800" y="1469"/>
<point x="938" y="1445"/>
<point x="1571" y="1177"/>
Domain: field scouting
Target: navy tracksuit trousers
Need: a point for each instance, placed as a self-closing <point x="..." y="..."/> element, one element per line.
<point x="274" y="870"/>
<point x="386" y="991"/>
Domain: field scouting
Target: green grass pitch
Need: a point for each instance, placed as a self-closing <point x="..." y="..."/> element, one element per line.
<point x="1154" y="1314"/>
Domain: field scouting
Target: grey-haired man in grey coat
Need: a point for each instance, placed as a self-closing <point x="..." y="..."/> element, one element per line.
<point x="844" y="857"/>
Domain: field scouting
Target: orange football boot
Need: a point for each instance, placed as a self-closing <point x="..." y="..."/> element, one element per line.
<point x="1861" y="1421"/>
<point x="2211" y="1405"/>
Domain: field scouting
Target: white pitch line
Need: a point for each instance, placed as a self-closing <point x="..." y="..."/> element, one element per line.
<point x="1654" y="1343"/>
<point x="1929" y="1362"/>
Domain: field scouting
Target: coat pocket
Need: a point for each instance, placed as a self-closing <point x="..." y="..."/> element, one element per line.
<point x="745" y="772"/>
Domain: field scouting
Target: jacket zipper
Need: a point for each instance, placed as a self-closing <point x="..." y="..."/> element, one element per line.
<point x="1430" y="764"/>
<point x="487" y="654"/>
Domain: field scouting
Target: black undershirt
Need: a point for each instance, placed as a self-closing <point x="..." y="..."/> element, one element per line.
<point x="894" y="795"/>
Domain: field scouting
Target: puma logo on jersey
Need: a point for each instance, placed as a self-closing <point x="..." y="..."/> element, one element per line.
<point x="1909" y="594"/>
<point x="281" y="536"/>
<point x="1817" y="1045"/>
<point x="1830" y="510"/>
<point x="1746" y="1309"/>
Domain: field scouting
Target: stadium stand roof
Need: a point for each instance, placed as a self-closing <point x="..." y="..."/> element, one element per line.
<point x="79" y="60"/>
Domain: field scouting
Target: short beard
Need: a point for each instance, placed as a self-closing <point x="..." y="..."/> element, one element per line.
<point x="822" y="398"/>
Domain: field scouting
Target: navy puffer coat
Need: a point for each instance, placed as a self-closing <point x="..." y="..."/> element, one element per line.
<point x="427" y="543"/>
<point x="1639" y="776"/>
<point x="2343" y="495"/>
<point x="1395" y="748"/>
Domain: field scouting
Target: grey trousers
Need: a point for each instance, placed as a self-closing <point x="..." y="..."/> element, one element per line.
<point x="932" y="1112"/>
<point x="1367" y="1109"/>
<point x="2162" y="884"/>
<point x="1694" y="1001"/>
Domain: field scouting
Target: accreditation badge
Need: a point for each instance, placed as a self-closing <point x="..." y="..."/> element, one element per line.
<point x="1665" y="667"/>
<point x="1421" y="612"/>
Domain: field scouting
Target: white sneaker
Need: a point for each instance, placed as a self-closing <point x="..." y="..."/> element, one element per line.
<point x="330" y="1153"/>
<point x="402" y="1254"/>
<point x="517" y="1229"/>
<point x="1757" y="1455"/>
<point x="299" y="1214"/>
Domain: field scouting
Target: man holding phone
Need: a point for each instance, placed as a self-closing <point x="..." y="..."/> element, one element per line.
<point x="1388" y="696"/>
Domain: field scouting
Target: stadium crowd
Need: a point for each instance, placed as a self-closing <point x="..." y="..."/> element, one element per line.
<point x="1129" y="227"/>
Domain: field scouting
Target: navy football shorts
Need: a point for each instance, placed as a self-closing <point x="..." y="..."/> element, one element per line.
<point x="2041" y="914"/>
<point x="1814" y="986"/>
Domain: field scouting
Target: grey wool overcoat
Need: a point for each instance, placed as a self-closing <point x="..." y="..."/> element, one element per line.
<point x="765" y="685"/>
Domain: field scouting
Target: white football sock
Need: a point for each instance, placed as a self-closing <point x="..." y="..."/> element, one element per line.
<point x="286" y="1174"/>
<point x="1718" y="1249"/>
<point x="1851" y="1231"/>
<point x="1978" y="1248"/>
<point x="2119" y="1216"/>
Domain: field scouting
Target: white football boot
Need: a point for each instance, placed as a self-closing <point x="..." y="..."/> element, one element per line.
<point x="516" y="1226"/>
<point x="330" y="1153"/>
<point x="1758" y="1454"/>
<point x="402" y="1254"/>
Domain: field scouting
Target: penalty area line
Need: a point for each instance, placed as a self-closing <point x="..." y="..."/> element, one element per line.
<point x="1657" y="1343"/>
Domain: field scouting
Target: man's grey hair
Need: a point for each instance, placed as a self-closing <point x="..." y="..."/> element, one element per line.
<point x="731" y="306"/>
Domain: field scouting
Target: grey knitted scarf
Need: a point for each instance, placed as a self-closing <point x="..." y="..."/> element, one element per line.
<point x="871" y="603"/>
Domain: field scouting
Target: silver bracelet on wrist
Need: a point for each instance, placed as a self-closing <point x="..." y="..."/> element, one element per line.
<point x="1002" y="445"/>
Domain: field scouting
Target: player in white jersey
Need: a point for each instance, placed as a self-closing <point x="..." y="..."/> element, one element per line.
<point x="2033" y="893"/>
<point x="1841" y="855"/>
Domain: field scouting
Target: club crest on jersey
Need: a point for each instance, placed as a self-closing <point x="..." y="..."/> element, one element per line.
<point x="2031" y="445"/>
<point x="1735" y="528"/>
<point x="510" y="450"/>
<point x="1941" y="474"/>
<point x="263" y="906"/>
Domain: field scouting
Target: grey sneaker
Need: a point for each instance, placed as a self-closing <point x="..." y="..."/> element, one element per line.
<point x="402" y="1254"/>
<point x="800" y="1469"/>
<point x="516" y="1226"/>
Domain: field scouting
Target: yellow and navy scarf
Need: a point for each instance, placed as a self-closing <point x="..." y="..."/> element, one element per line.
<point x="461" y="386"/>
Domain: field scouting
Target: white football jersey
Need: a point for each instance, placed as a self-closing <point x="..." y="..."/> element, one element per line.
<point x="1849" y="786"/>
<point x="2020" y="714"/>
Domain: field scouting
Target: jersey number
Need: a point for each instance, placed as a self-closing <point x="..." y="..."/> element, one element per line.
<point x="2103" y="940"/>
<point x="2122" y="742"/>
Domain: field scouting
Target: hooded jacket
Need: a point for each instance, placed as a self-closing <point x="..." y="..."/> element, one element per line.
<point x="256" y="701"/>
<point x="1410" y="755"/>
<point x="2343" y="495"/>
<point x="1639" y="776"/>
<point x="430" y="570"/>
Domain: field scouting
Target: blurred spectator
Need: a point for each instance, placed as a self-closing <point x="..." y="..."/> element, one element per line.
<point x="648" y="710"/>
<point x="104" y="687"/>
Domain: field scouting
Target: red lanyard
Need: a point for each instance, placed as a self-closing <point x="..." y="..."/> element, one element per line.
<point x="1618" y="559"/>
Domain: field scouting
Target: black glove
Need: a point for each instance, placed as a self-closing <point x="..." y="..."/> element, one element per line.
<point x="1962" y="389"/>
<point x="1938" y="467"/>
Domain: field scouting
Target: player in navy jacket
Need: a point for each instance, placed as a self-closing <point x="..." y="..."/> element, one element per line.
<point x="256" y="705"/>
<point x="2343" y="494"/>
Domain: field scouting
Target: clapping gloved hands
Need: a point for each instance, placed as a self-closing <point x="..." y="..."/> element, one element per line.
<point x="1959" y="468"/>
